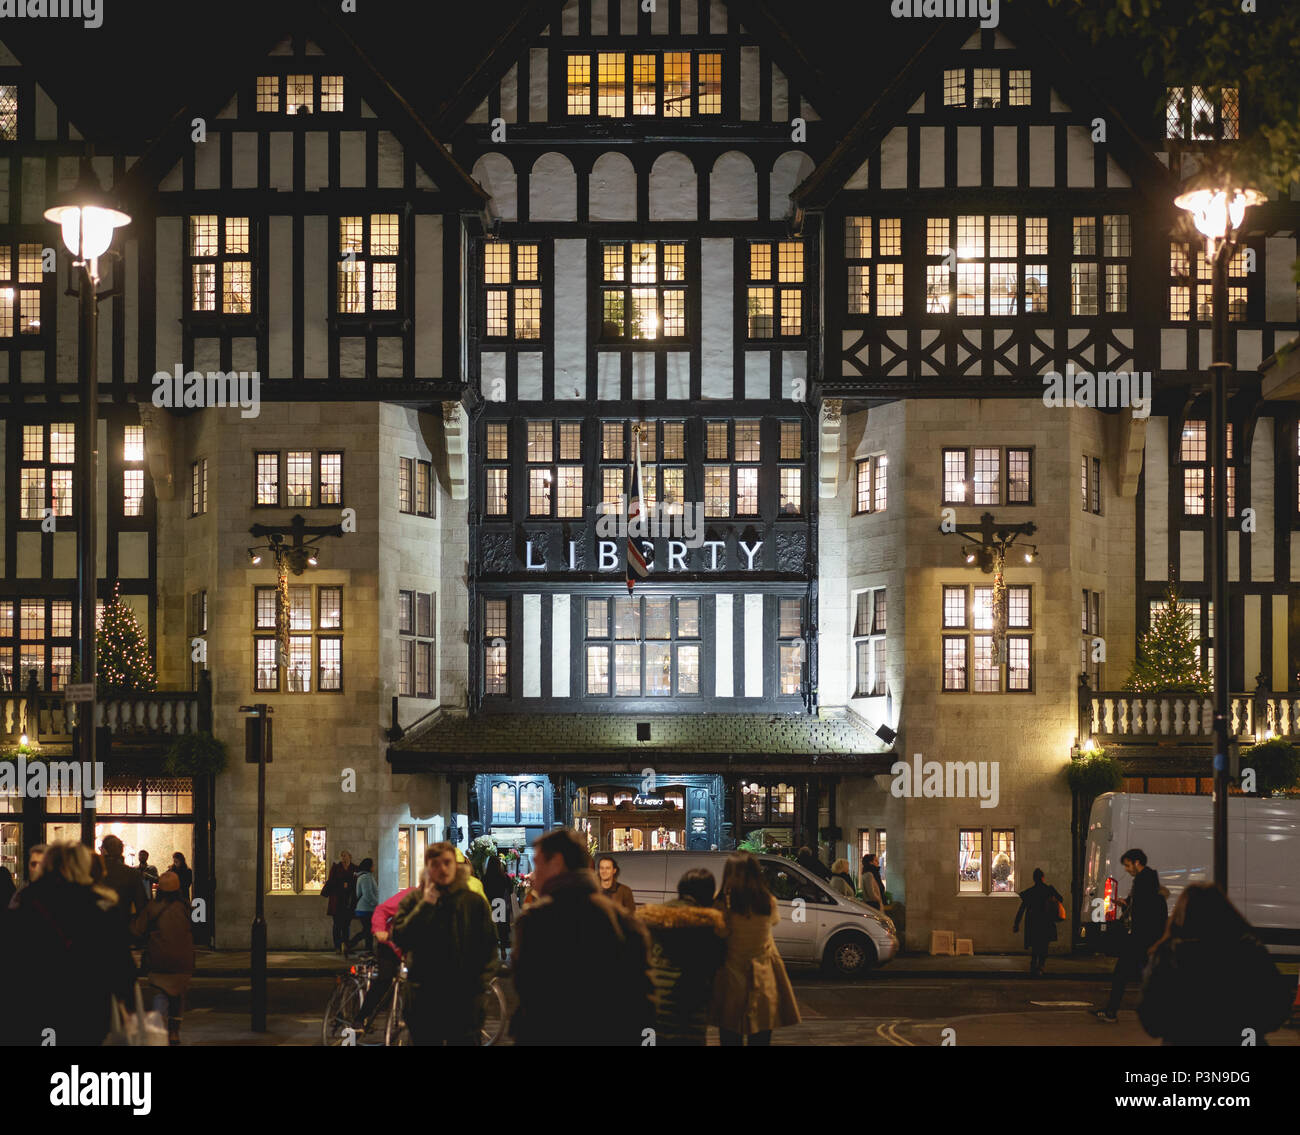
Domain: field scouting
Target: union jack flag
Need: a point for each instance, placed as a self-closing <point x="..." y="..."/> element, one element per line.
<point x="636" y="565"/>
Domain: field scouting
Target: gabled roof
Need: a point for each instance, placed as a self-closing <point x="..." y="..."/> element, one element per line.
<point x="1130" y="151"/>
<point x="536" y="15"/>
<point x="306" y="19"/>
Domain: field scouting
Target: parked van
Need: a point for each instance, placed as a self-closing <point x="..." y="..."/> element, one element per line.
<point x="1177" y="834"/>
<point x="845" y="937"/>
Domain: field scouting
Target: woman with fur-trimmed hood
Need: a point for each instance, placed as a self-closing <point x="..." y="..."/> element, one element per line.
<point x="687" y="947"/>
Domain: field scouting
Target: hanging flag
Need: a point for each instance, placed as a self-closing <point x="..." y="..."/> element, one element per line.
<point x="636" y="565"/>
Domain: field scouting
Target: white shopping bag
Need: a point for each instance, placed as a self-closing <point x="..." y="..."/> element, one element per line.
<point x="138" y="1028"/>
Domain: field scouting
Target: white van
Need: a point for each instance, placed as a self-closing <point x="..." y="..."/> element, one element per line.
<point x="843" y="936"/>
<point x="1177" y="834"/>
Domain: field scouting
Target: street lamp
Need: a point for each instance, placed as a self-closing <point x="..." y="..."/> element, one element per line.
<point x="992" y="542"/>
<point x="88" y="219"/>
<point x="1217" y="208"/>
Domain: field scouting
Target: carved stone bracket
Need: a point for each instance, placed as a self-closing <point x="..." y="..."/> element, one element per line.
<point x="1132" y="444"/>
<point x="158" y="450"/>
<point x="455" y="426"/>
<point x="829" y="445"/>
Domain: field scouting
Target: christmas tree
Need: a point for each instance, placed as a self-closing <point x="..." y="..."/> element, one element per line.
<point x="1168" y="660"/>
<point x="121" y="653"/>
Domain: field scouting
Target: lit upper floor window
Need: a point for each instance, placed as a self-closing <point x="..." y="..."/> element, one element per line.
<point x="775" y="296"/>
<point x="1100" y="254"/>
<point x="997" y="269"/>
<point x="1191" y="296"/>
<point x="643" y="290"/>
<point x="45" y="470"/>
<point x="221" y="266"/>
<point x="368" y="250"/>
<point x="512" y="279"/>
<point x="299" y="94"/>
<point x="20" y="289"/>
<point x="986" y="88"/>
<point x="618" y="84"/>
<point x="1193" y="114"/>
<point x="8" y="113"/>
<point x="873" y="254"/>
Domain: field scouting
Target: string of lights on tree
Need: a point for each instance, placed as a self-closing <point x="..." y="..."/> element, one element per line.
<point x="122" y="659"/>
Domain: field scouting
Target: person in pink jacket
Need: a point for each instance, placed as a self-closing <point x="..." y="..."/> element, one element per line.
<point x="387" y="955"/>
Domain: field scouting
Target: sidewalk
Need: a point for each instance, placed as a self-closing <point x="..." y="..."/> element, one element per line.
<point x="323" y="963"/>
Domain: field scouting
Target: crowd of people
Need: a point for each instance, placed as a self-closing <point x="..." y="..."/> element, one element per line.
<point x="69" y="930"/>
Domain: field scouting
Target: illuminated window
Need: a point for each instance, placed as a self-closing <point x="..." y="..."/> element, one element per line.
<point x="300" y="94"/>
<point x="869" y="643"/>
<point x="496" y="652"/>
<point x="291" y="847"/>
<point x="986" y="88"/>
<point x="1191" y="296"/>
<point x="1198" y="475"/>
<point x="975" y="661"/>
<point x="579" y="84"/>
<point x="970" y="861"/>
<point x="368" y="251"/>
<point x="872" y="484"/>
<point x="415" y="487"/>
<point x="8" y="113"/>
<point x="133" y="492"/>
<point x="775" y="298"/>
<point x="692" y="83"/>
<point x="513" y="290"/>
<point x="1196" y="114"/>
<point x="643" y="290"/>
<point x="791" y="651"/>
<point x="21" y="278"/>
<point x="991" y="475"/>
<point x="45" y="470"/>
<point x="416" y="644"/>
<point x="610" y="93"/>
<point x="1099" y="283"/>
<point x="268" y="94"/>
<point x="996" y="270"/>
<point x="311" y="611"/>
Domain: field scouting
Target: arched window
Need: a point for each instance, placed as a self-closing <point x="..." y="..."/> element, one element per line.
<point x="530" y="803"/>
<point x="503" y="802"/>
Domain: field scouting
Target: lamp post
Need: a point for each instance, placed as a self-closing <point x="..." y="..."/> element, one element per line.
<point x="87" y="217"/>
<point x="1217" y="208"/>
<point x="991" y="543"/>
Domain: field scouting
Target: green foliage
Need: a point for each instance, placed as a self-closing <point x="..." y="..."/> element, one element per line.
<point x="1167" y="660"/>
<point x="195" y="754"/>
<point x="122" y="659"/>
<point x="753" y="843"/>
<point x="1276" y="764"/>
<point x="480" y="851"/>
<point x="1094" y="774"/>
<point x="1215" y="44"/>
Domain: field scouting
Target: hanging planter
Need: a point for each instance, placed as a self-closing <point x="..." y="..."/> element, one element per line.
<point x="195" y="754"/>
<point x="1276" y="764"/>
<point x="1091" y="775"/>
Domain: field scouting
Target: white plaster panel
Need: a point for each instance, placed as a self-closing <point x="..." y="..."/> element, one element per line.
<point x="530" y="376"/>
<point x="570" y="334"/>
<point x="1234" y="556"/>
<point x="1250" y="634"/>
<point x="389" y="362"/>
<point x="931" y="157"/>
<point x="315" y="254"/>
<point x="723" y="648"/>
<point x="794" y="370"/>
<point x="492" y="376"/>
<point x="600" y="19"/>
<point x="569" y="18"/>
<point x="390" y="161"/>
<point x="243" y="159"/>
<point x="1042" y="155"/>
<point x="1250" y="348"/>
<point x="537" y="72"/>
<point x="1281" y="669"/>
<point x="861" y="178"/>
<point x="497" y="176"/>
<point x="1005" y="144"/>
<point x="428" y="296"/>
<point x="690" y="17"/>
<point x="1261" y="500"/>
<point x="317" y="170"/>
<point x="47" y="116"/>
<point x="780" y="96"/>
<point x="243" y="353"/>
<point x="893" y="159"/>
<point x="789" y="170"/>
<point x="717" y="17"/>
<point x="167" y="268"/>
<point x="29" y="555"/>
<point x="1116" y="178"/>
<point x="281" y="160"/>
<point x="758" y="374"/>
<point x="133" y="555"/>
<point x="65" y="555"/>
<point x="1080" y="169"/>
<point x="716" y="346"/>
<point x="560" y="646"/>
<point x="532" y="646"/>
<point x="352" y="158"/>
<point x="609" y="376"/>
<point x="612" y="189"/>
<point x="627" y="16"/>
<point x="749" y="76"/>
<point x="753" y="646"/>
<point x="1279" y="284"/>
<point x="510" y="94"/>
<point x="733" y="188"/>
<point x="207" y="163"/>
<point x="1173" y="349"/>
<point x="1191" y="556"/>
<point x="969" y="163"/>
<point x="659" y="20"/>
<point x="643" y="376"/>
<point x="1156" y="500"/>
<point x="678" y="375"/>
<point x="674" y="192"/>
<point x="552" y="189"/>
<point x="352" y="356"/>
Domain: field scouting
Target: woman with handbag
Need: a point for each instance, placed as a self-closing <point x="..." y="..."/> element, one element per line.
<point x="168" y="952"/>
<point x="1042" y="908"/>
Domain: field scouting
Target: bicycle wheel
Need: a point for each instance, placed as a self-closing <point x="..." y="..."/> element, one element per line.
<point x="494" y="1023"/>
<point x="342" y="1010"/>
<point x="398" y="1033"/>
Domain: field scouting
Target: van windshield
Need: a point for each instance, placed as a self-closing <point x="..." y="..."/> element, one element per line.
<point x="788" y="885"/>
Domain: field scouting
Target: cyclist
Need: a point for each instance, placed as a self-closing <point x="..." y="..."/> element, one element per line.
<point x="387" y="955"/>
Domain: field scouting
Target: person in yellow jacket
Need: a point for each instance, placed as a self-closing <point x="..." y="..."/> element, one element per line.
<point x="473" y="881"/>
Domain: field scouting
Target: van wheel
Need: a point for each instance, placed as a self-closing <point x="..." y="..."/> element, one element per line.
<point x="848" y="955"/>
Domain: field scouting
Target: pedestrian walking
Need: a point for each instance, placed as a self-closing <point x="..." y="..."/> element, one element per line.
<point x="168" y="959"/>
<point x="1148" y="913"/>
<point x="841" y="880"/>
<point x="149" y="873"/>
<point x="184" y="874"/>
<point x="579" y="960"/>
<point x="447" y="933"/>
<point x="125" y="881"/>
<point x="367" y="899"/>
<point x="620" y="894"/>
<point x="1210" y="980"/>
<point x="35" y="860"/>
<point x="340" y="890"/>
<point x="752" y="995"/>
<point x="687" y="947"/>
<point x="71" y="947"/>
<point x="873" y="888"/>
<point x="387" y="956"/>
<point x="805" y="857"/>
<point x="1040" y="908"/>
<point x="499" y="891"/>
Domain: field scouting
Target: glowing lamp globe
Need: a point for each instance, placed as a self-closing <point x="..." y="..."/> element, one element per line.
<point x="1218" y="210"/>
<point x="87" y="217"/>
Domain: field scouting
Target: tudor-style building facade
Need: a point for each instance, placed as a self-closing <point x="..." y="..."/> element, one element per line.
<point x="823" y="331"/>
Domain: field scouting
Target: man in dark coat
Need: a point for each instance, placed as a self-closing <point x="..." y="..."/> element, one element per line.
<point x="1148" y="912"/>
<point x="807" y="858"/>
<point x="450" y="943"/>
<point x="687" y="948"/>
<point x="579" y="961"/>
<point x="1038" y="908"/>
<point x="340" y="890"/>
<point x="126" y="881"/>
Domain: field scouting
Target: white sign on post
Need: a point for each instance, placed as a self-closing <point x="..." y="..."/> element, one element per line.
<point x="79" y="691"/>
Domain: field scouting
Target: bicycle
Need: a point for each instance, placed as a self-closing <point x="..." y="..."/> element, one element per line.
<point x="345" y="1002"/>
<point x="398" y="1032"/>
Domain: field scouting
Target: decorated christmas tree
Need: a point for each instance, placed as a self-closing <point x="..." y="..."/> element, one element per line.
<point x="121" y="652"/>
<point x="1167" y="657"/>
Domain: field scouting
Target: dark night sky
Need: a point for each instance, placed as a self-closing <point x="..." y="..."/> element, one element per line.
<point x="123" y="81"/>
